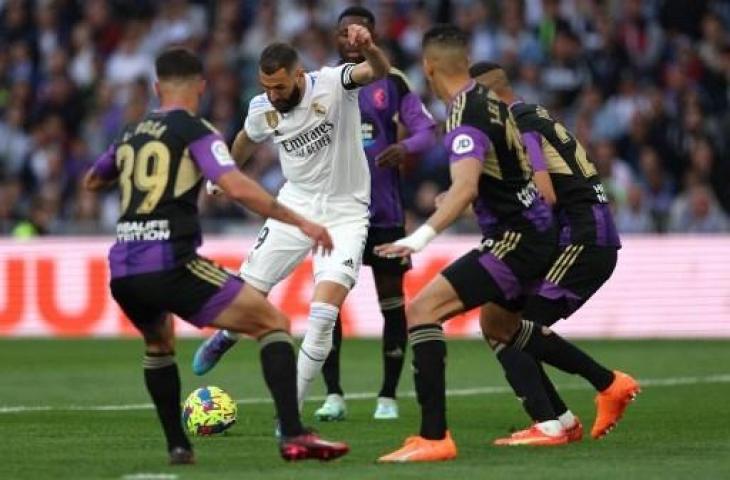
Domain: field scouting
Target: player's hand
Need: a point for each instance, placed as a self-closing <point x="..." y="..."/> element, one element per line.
<point x="439" y="199"/>
<point x="319" y="235"/>
<point x="212" y="189"/>
<point x="359" y="37"/>
<point x="392" y="156"/>
<point x="393" y="250"/>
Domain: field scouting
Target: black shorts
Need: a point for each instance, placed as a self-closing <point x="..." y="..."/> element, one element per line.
<point x="378" y="236"/>
<point x="504" y="270"/>
<point x="576" y="274"/>
<point x="197" y="291"/>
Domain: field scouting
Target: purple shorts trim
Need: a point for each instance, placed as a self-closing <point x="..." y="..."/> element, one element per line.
<point x="554" y="292"/>
<point x="134" y="258"/>
<point x="502" y="276"/>
<point x="217" y="303"/>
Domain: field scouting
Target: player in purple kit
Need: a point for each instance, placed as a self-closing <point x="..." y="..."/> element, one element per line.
<point x="385" y="105"/>
<point x="160" y="163"/>
<point x="489" y="167"/>
<point x="569" y="182"/>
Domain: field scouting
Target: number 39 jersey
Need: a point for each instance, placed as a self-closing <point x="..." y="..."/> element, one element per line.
<point x="160" y="163"/>
<point x="582" y="204"/>
<point x="482" y="127"/>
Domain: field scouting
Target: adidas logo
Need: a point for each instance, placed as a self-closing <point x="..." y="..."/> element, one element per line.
<point x="395" y="353"/>
<point x="349" y="263"/>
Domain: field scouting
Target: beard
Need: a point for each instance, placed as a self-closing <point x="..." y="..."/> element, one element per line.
<point x="285" y="106"/>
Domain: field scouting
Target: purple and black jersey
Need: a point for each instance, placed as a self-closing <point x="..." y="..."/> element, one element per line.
<point x="160" y="163"/>
<point x="480" y="126"/>
<point x="383" y="104"/>
<point x="582" y="206"/>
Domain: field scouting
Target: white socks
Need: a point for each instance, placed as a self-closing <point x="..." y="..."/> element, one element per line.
<point x="315" y="347"/>
<point x="567" y="420"/>
<point x="552" y="428"/>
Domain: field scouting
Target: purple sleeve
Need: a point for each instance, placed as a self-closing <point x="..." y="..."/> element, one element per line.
<point x="105" y="166"/>
<point x="533" y="144"/>
<point x="419" y="123"/>
<point x="212" y="156"/>
<point x="466" y="142"/>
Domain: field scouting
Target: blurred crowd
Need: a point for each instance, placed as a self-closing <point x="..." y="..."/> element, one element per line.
<point x="645" y="85"/>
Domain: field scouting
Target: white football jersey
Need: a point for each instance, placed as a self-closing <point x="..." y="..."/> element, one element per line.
<point x="319" y="140"/>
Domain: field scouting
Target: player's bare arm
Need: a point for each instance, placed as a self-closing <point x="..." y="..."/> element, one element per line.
<point x="545" y="186"/>
<point x="376" y="64"/>
<point x="92" y="181"/>
<point x="240" y="187"/>
<point x="464" y="188"/>
<point x="243" y="148"/>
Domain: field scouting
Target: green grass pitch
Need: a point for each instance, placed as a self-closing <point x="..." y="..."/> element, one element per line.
<point x="678" y="428"/>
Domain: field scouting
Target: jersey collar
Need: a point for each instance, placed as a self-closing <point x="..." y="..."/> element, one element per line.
<point x="468" y="87"/>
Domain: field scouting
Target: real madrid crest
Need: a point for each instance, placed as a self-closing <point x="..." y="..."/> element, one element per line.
<point x="272" y="118"/>
<point x="319" y="109"/>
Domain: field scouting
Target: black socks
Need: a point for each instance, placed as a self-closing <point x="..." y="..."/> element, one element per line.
<point x="523" y="375"/>
<point x="394" y="344"/>
<point x="162" y="380"/>
<point x="429" y="372"/>
<point x="280" y="372"/>
<point x="545" y="345"/>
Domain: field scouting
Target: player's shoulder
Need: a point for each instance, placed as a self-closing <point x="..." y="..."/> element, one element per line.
<point x="185" y="124"/>
<point x="469" y="108"/>
<point x="259" y="104"/>
<point x="400" y="81"/>
<point x="522" y="109"/>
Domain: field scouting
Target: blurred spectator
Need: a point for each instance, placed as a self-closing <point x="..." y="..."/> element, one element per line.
<point x="645" y="86"/>
<point x="635" y="216"/>
<point x="697" y="211"/>
<point x="658" y="187"/>
<point x="616" y="175"/>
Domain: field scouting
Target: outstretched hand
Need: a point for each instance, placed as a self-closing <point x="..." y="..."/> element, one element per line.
<point x="359" y="37"/>
<point x="393" y="250"/>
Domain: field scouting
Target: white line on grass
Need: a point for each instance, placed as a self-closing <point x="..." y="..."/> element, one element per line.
<point x="458" y="392"/>
<point x="150" y="476"/>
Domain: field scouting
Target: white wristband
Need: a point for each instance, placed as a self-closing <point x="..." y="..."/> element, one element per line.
<point x="212" y="189"/>
<point x="417" y="240"/>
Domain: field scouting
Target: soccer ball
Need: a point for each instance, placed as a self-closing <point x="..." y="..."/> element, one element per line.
<point x="208" y="411"/>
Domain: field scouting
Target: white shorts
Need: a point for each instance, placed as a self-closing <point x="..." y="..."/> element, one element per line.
<point x="279" y="248"/>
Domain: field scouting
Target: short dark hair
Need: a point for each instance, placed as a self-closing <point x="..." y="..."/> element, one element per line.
<point x="446" y="35"/>
<point x="178" y="62"/>
<point x="357" y="11"/>
<point x="277" y="56"/>
<point x="480" y="68"/>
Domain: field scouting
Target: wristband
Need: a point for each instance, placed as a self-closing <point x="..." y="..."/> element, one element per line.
<point x="418" y="240"/>
<point x="212" y="189"/>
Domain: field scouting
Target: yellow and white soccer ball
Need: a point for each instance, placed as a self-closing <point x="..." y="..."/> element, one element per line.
<point x="208" y="411"/>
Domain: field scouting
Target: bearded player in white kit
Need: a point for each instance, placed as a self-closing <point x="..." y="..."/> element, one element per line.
<point x="314" y="119"/>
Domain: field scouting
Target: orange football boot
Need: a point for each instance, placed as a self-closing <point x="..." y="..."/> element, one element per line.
<point x="419" y="449"/>
<point x="532" y="436"/>
<point x="612" y="402"/>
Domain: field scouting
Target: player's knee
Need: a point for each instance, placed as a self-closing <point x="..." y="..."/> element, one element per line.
<point x="498" y="324"/>
<point x="159" y="340"/>
<point x="277" y="321"/>
<point x="159" y="347"/>
<point x="417" y="313"/>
